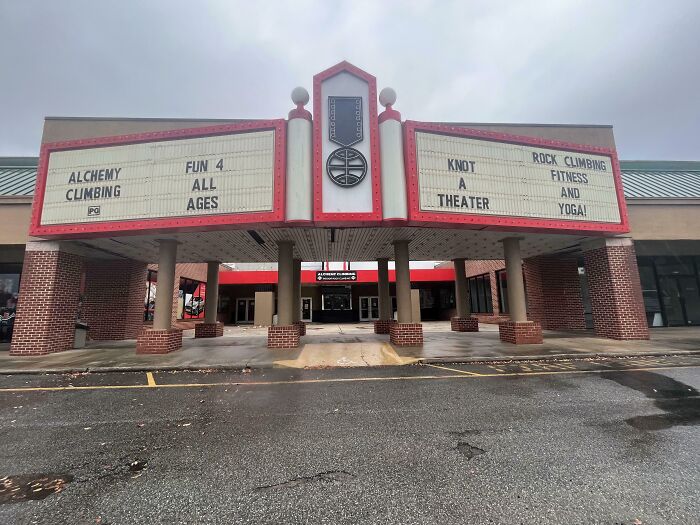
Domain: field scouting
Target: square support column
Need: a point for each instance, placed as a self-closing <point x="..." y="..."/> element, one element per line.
<point x="162" y="338"/>
<point x="285" y="334"/>
<point x="47" y="306"/>
<point x="518" y="330"/>
<point x="463" y="322"/>
<point x="405" y="332"/>
<point x="617" y="303"/>
<point x="210" y="327"/>
<point x="381" y="326"/>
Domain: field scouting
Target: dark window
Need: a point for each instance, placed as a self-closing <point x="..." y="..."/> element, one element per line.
<point x="502" y="281"/>
<point x="9" y="290"/>
<point x="480" y="294"/>
<point x="191" y="299"/>
<point x="150" y="300"/>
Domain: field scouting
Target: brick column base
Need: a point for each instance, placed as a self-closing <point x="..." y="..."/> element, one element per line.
<point x="464" y="324"/>
<point x="382" y="326"/>
<point x="406" y="334"/>
<point x="159" y="341"/>
<point x="301" y="325"/>
<point x="527" y="333"/>
<point x="208" y="330"/>
<point x="283" y="336"/>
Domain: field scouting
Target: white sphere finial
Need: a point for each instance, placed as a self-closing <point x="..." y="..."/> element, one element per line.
<point x="300" y="96"/>
<point x="387" y="97"/>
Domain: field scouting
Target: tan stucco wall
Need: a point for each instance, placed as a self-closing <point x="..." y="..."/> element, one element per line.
<point x="59" y="129"/>
<point x="668" y="222"/>
<point x="264" y="308"/>
<point x="415" y="306"/>
<point x="601" y="136"/>
<point x="14" y="219"/>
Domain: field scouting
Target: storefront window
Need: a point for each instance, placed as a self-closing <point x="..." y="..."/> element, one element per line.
<point x="9" y="290"/>
<point x="480" y="294"/>
<point x="650" y="292"/>
<point x="191" y="299"/>
<point x="502" y="280"/>
<point x="150" y="300"/>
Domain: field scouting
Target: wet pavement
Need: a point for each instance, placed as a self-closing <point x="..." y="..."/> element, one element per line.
<point x="348" y="345"/>
<point x="578" y="441"/>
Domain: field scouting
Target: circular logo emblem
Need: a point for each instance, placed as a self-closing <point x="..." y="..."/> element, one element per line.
<point x="346" y="167"/>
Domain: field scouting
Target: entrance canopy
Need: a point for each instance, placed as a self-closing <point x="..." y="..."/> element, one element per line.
<point x="332" y="244"/>
<point x="342" y="184"/>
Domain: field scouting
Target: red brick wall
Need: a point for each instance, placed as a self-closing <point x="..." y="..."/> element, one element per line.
<point x="159" y="341"/>
<point x="114" y="298"/>
<point x="283" y="336"/>
<point x="554" y="292"/>
<point x="616" y="293"/>
<point x="47" y="305"/>
<point x="527" y="333"/>
<point x="406" y="334"/>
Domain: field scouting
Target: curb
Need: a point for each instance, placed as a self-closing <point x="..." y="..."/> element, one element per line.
<point x="421" y="361"/>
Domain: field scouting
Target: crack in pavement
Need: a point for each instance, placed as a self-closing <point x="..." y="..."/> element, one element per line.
<point x="331" y="476"/>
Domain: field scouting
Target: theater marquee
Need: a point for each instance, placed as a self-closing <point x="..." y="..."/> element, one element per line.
<point x="467" y="176"/>
<point x="221" y="175"/>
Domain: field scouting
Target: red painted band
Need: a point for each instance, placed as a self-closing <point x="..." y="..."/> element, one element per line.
<point x="389" y="114"/>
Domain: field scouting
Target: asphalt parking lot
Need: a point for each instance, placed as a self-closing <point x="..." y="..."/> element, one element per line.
<point x="587" y="441"/>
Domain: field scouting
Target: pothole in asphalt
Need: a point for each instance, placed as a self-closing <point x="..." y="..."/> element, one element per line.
<point x="15" y="489"/>
<point x="467" y="450"/>
<point x="137" y="466"/>
<point x="331" y="476"/>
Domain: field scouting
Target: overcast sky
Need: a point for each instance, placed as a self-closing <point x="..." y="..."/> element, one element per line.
<point x="632" y="64"/>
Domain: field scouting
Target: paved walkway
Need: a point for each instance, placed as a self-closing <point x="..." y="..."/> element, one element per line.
<point x="348" y="345"/>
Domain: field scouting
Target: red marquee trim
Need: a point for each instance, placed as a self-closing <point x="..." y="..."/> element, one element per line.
<point x="417" y="217"/>
<point x="170" y="224"/>
<point x="346" y="219"/>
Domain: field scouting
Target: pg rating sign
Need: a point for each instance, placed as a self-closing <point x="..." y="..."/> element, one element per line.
<point x="232" y="174"/>
<point x="477" y="177"/>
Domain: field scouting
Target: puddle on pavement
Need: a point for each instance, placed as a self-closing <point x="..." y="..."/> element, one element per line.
<point x="15" y="489"/>
<point x="680" y="402"/>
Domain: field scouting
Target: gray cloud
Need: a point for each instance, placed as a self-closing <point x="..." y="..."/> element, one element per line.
<point x="632" y="64"/>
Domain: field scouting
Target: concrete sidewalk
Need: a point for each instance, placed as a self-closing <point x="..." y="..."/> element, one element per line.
<point x="347" y="345"/>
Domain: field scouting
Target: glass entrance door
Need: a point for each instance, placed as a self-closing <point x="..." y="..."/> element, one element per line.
<point x="369" y="308"/>
<point x="245" y="310"/>
<point x="681" y="300"/>
<point x="306" y="309"/>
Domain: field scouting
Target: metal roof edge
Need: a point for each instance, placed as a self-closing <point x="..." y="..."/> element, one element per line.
<point x="19" y="162"/>
<point x="660" y="165"/>
<point x="651" y="201"/>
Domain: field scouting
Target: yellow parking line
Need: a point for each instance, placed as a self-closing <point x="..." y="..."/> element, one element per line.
<point x="454" y="370"/>
<point x="461" y="375"/>
<point x="151" y="381"/>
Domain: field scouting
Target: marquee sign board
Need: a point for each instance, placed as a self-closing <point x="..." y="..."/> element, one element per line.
<point x="464" y="176"/>
<point x="346" y="146"/>
<point x="184" y="179"/>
